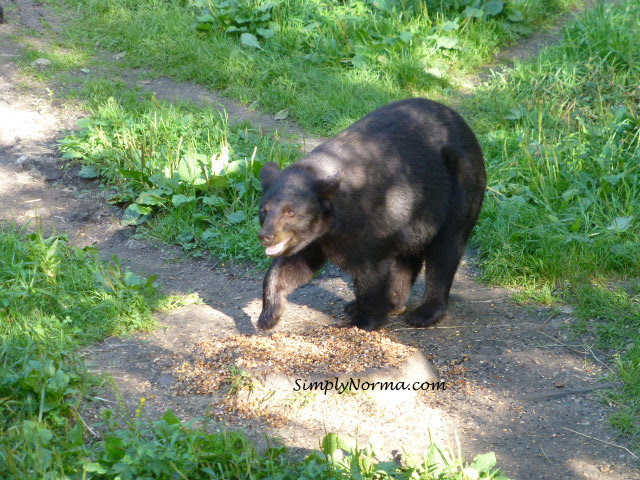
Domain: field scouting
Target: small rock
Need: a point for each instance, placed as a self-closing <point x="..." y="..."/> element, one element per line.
<point x="119" y="56"/>
<point x="22" y="160"/>
<point x="282" y="114"/>
<point x="50" y="173"/>
<point x="41" y="62"/>
<point x="566" y="309"/>
<point x="166" y="380"/>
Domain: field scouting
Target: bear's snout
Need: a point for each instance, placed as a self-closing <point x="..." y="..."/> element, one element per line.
<point x="266" y="238"/>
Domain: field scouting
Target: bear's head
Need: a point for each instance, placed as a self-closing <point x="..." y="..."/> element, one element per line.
<point x="295" y="209"/>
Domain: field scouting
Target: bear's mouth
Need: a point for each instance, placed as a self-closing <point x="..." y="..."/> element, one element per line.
<point x="277" y="249"/>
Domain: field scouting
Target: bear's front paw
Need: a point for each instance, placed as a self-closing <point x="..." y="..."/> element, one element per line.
<point x="365" y="322"/>
<point x="268" y="319"/>
<point x="426" y="314"/>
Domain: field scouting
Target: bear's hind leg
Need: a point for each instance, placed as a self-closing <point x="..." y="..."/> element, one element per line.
<point x="283" y="277"/>
<point x="442" y="257"/>
<point x="403" y="275"/>
<point x="373" y="288"/>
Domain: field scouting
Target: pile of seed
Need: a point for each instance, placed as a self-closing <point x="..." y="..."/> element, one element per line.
<point x="326" y="350"/>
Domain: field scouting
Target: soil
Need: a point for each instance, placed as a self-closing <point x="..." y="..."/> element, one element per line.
<point x="518" y="382"/>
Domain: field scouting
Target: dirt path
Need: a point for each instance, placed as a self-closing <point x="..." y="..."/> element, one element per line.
<point x="517" y="382"/>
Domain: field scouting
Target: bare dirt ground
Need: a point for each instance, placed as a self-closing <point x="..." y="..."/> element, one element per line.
<point x="518" y="382"/>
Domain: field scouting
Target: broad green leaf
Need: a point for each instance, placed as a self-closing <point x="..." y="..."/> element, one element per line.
<point x="359" y="61"/>
<point x="135" y="214"/>
<point x="447" y="42"/>
<point x="266" y="33"/>
<point x="83" y="123"/>
<point x="133" y="280"/>
<point x="139" y="209"/>
<point x="485" y="462"/>
<point x="114" y="448"/>
<point x="450" y="26"/>
<point x="89" y="171"/>
<point x="134" y="175"/>
<point x="614" y="179"/>
<point x="152" y="197"/>
<point x="517" y="113"/>
<point x="282" y="114"/>
<point x="406" y="37"/>
<point x="332" y="442"/>
<point x="189" y="168"/>
<point x="209" y="234"/>
<point x="493" y="7"/>
<point x="250" y="40"/>
<point x="236" y="167"/>
<point x="237" y="217"/>
<point x="620" y="224"/>
<point x="515" y="15"/>
<point x="94" y="467"/>
<point x="72" y="154"/>
<point x="438" y="68"/>
<point x="472" y="12"/>
<point x="171" y="418"/>
<point x="180" y="199"/>
<point x="214" y="201"/>
<point x="219" y="182"/>
<point x="206" y="18"/>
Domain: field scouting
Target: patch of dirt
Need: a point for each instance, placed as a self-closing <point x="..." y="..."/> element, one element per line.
<point x="517" y="382"/>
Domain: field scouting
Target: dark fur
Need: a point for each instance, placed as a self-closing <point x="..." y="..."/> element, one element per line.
<point x="400" y="188"/>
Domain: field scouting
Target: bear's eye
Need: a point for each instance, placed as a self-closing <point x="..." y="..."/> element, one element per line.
<point x="289" y="213"/>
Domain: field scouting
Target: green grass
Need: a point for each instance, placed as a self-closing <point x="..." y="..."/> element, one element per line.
<point x="55" y="298"/>
<point x="184" y="173"/>
<point x="329" y="62"/>
<point x="55" y="293"/>
<point x="562" y="214"/>
<point x="563" y="146"/>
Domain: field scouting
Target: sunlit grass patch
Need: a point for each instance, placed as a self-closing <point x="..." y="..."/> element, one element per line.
<point x="329" y="62"/>
<point x="183" y="173"/>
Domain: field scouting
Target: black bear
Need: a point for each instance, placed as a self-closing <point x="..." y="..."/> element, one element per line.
<point x="399" y="189"/>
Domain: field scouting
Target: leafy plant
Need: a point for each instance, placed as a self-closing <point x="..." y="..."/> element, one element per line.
<point x="343" y="453"/>
<point x="189" y="169"/>
<point x="249" y="19"/>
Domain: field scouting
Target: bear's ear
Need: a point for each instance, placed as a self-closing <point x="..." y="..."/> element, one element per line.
<point x="328" y="185"/>
<point x="269" y="173"/>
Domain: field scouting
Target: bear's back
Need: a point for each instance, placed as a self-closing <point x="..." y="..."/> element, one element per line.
<point x="399" y="167"/>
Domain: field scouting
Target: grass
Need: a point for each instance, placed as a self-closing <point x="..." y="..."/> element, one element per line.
<point x="184" y="170"/>
<point x="55" y="298"/>
<point x="328" y="62"/>
<point x="563" y="142"/>
<point x="560" y="133"/>
<point x="562" y="214"/>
